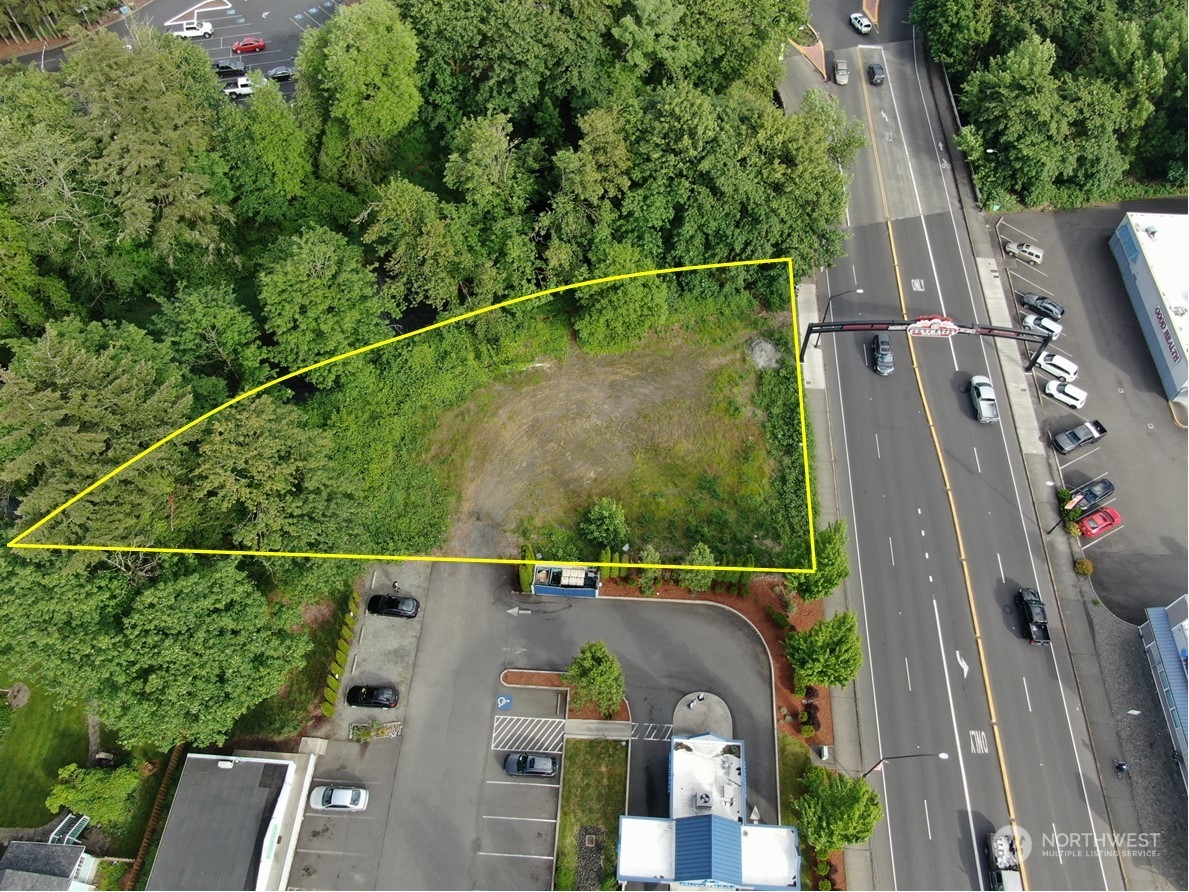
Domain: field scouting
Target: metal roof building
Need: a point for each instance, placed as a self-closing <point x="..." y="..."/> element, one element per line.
<point x="1149" y="249"/>
<point x="704" y="843"/>
<point x="1166" y="642"/>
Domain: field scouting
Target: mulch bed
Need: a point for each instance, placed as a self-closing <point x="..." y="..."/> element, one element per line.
<point x="532" y="678"/>
<point x="763" y="592"/>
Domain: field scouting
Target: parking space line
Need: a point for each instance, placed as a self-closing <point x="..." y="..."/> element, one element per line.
<point x="514" y="818"/>
<point x="514" y="855"/>
<point x="517" y="783"/>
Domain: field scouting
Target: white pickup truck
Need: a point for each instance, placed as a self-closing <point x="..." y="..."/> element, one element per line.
<point x="242" y="87"/>
<point x="193" y="29"/>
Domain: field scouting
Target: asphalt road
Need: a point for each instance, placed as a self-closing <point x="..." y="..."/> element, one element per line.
<point x="928" y="689"/>
<point x="435" y="830"/>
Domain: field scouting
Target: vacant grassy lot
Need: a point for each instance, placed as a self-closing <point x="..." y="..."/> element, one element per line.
<point x="42" y="740"/>
<point x="668" y="430"/>
<point x="594" y="791"/>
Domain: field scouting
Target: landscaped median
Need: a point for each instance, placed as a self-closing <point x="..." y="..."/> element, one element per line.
<point x="593" y="796"/>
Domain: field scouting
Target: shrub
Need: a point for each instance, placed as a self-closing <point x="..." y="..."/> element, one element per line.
<point x="1083" y="566"/>
<point x="649" y="577"/>
<point x="526" y="570"/>
<point x="803" y="718"/>
<point x="825" y="885"/>
<point x="698" y="580"/>
<point x="605" y="523"/>
<point x="807" y="730"/>
<point x="1073" y="529"/>
<point x="327" y="709"/>
<point x="822" y="867"/>
<point x="777" y="616"/>
<point x="829" y="653"/>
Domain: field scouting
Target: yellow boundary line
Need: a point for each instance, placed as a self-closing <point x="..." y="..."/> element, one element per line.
<point x="18" y="541"/>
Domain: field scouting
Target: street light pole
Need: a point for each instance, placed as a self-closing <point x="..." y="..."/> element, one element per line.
<point x="883" y="759"/>
<point x="826" y="311"/>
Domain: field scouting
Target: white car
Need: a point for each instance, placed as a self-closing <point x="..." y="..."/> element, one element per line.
<point x="242" y="87"/>
<point x="861" y="23"/>
<point x="193" y="29"/>
<point x="1058" y="366"/>
<point x="1042" y="325"/>
<point x="1067" y="394"/>
<point x="338" y="798"/>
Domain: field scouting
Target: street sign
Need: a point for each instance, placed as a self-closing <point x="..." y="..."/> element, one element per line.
<point x="933" y="327"/>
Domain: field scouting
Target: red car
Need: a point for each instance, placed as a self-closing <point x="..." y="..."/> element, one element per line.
<point x="1099" y="522"/>
<point x="248" y="45"/>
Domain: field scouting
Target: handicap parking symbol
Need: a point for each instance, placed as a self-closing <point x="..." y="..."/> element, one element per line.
<point x="504" y="701"/>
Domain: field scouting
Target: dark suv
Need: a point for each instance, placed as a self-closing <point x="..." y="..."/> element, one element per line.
<point x="530" y="765"/>
<point x="1046" y="306"/>
<point x="1091" y="494"/>
<point x="881" y="349"/>
<point x="228" y="67"/>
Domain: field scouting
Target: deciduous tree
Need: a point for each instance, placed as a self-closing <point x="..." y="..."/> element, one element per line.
<point x="106" y="796"/>
<point x="319" y="301"/>
<point x="596" y="678"/>
<point x="605" y="524"/>
<point x="836" y="811"/>
<point x="829" y="653"/>
<point x="833" y="565"/>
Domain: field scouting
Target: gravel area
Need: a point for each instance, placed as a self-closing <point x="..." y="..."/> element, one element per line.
<point x="1155" y="786"/>
<point x="589" y="874"/>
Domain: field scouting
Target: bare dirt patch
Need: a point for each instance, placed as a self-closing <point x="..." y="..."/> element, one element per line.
<point x="554" y="436"/>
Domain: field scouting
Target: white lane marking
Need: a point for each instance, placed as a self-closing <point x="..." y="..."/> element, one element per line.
<point x="877" y="452"/>
<point x="977" y="463"/>
<point x="949" y="696"/>
<point x="1060" y="860"/>
<point x="514" y="855"/>
<point x="1024" y="528"/>
<point x="891" y="552"/>
<point x="514" y="818"/>
<point x="978" y="743"/>
<point x="928" y="825"/>
<point x="962" y="663"/>
<point x="1002" y="577"/>
<point x="867" y="638"/>
<point x="908" y="674"/>
<point x="1027" y="699"/>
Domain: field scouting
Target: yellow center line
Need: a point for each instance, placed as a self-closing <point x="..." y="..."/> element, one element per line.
<point x="949" y="492"/>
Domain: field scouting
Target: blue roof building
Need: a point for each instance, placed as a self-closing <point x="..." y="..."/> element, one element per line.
<point x="704" y="843"/>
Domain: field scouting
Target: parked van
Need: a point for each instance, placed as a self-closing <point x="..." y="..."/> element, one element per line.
<point x="1028" y="253"/>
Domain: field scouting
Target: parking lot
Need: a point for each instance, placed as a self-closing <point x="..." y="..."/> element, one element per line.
<point x="1141" y="563"/>
<point x="517" y="822"/>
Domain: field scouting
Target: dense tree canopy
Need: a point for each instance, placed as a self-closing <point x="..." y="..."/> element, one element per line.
<point x="1065" y="101"/>
<point x="163" y="249"/>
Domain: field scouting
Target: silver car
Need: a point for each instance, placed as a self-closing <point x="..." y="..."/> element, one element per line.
<point x="982" y="397"/>
<point x="841" y="72"/>
<point x="338" y="798"/>
<point x="1042" y="325"/>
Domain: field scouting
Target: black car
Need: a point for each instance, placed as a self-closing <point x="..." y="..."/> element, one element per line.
<point x="876" y="74"/>
<point x="1046" y="306"/>
<point x="393" y="605"/>
<point x="372" y="696"/>
<point x="881" y="348"/>
<point x="530" y="765"/>
<point x="228" y="67"/>
<point x="1092" y="494"/>
<point x="280" y="73"/>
